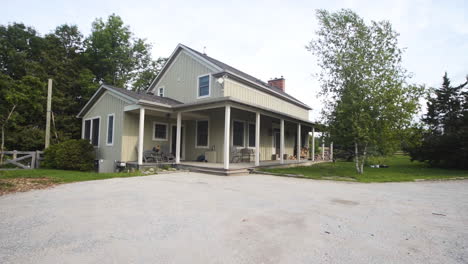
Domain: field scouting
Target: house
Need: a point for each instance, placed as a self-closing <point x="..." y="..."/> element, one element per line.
<point x="197" y="107"/>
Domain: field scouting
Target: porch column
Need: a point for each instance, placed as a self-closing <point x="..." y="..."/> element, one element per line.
<point x="299" y="142"/>
<point x="323" y="149"/>
<point x="313" y="144"/>
<point x="179" y="125"/>
<point x="282" y="141"/>
<point x="227" y="123"/>
<point x="141" y="134"/>
<point x="331" y="150"/>
<point x="257" y="139"/>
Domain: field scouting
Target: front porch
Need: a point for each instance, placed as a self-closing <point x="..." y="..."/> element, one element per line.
<point x="215" y="137"/>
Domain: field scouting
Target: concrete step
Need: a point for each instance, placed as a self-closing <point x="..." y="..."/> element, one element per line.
<point x="214" y="171"/>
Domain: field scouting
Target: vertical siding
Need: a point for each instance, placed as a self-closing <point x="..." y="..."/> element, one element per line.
<point x="181" y="78"/>
<point x="130" y="135"/>
<point x="108" y="104"/>
<point x="250" y="95"/>
<point x="216" y="135"/>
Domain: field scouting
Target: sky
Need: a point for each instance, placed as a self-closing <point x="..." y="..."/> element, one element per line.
<point x="267" y="39"/>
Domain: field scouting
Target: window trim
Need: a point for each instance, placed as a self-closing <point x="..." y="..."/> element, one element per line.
<point x="154" y="130"/>
<point x="92" y="129"/>
<point x="163" y="91"/>
<point x="208" y="134"/>
<point x="113" y="130"/>
<point x="232" y="133"/>
<point x="198" y="86"/>
<point x="248" y="138"/>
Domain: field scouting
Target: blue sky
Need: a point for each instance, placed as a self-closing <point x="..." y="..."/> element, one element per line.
<point x="267" y="38"/>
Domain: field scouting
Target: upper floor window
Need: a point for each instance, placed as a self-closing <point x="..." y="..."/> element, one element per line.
<point x="203" y="86"/>
<point x="161" y="91"/>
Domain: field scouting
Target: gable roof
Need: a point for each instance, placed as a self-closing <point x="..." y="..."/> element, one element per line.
<point x="130" y="96"/>
<point x="143" y="95"/>
<point x="225" y="68"/>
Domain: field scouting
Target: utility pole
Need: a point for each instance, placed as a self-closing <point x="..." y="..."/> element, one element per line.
<point x="49" y="110"/>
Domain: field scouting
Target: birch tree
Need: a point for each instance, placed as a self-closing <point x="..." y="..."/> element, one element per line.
<point x="367" y="98"/>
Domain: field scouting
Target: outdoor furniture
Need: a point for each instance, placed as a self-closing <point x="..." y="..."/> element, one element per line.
<point x="168" y="157"/>
<point x="246" y="154"/>
<point x="235" y="155"/>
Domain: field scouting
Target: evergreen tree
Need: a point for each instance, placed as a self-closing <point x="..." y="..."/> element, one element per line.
<point x="445" y="142"/>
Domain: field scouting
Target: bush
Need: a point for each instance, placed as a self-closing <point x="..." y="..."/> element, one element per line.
<point x="376" y="160"/>
<point x="74" y="154"/>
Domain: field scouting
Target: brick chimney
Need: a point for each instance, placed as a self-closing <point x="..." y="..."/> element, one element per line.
<point x="278" y="83"/>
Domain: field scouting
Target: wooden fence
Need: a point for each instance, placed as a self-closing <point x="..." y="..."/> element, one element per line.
<point x="23" y="159"/>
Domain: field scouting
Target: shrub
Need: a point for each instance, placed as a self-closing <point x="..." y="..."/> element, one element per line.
<point x="376" y="160"/>
<point x="74" y="154"/>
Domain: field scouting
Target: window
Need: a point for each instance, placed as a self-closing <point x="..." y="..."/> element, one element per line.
<point x="159" y="131"/>
<point x="110" y="130"/>
<point x="204" y="86"/>
<point x="202" y="134"/>
<point x="252" y="135"/>
<point x="95" y="133"/>
<point x="87" y="130"/>
<point x="238" y="134"/>
<point x="161" y="91"/>
<point x="91" y="130"/>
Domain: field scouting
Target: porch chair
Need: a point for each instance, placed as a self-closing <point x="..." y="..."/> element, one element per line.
<point x="246" y="154"/>
<point x="235" y="155"/>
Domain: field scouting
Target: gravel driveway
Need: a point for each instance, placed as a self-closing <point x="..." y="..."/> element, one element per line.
<point x="198" y="218"/>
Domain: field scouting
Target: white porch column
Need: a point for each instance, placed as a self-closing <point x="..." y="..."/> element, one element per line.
<point x="331" y="150"/>
<point x="141" y="134"/>
<point x="323" y="149"/>
<point x="257" y="139"/>
<point x="227" y="123"/>
<point x="299" y="142"/>
<point x="313" y="144"/>
<point x="282" y="141"/>
<point x="179" y="125"/>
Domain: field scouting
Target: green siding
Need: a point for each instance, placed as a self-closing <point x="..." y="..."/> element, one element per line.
<point x="108" y="104"/>
<point x="181" y="78"/>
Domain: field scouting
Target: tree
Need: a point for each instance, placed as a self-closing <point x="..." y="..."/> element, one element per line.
<point x="444" y="143"/>
<point x="78" y="65"/>
<point x="364" y="84"/>
<point x="115" y="56"/>
<point x="15" y="101"/>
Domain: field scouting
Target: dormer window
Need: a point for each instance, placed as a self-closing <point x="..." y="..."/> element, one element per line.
<point x="161" y="91"/>
<point x="203" y="86"/>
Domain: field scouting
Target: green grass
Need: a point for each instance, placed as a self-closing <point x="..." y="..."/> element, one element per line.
<point x="63" y="176"/>
<point x="400" y="169"/>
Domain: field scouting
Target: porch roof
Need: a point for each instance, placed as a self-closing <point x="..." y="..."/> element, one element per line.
<point x="170" y="105"/>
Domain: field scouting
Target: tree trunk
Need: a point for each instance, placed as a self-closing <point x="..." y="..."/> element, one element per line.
<point x="356" y="156"/>
<point x="3" y="145"/>
<point x="363" y="159"/>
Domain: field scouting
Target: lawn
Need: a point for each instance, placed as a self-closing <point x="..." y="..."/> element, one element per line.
<point x="400" y="169"/>
<point x="23" y="180"/>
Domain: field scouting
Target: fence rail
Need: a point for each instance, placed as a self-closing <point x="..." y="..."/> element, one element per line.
<point x="24" y="159"/>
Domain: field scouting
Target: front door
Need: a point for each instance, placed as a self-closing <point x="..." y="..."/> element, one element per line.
<point x="173" y="141"/>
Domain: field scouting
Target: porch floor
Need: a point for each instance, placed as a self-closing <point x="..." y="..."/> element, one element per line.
<point x="244" y="165"/>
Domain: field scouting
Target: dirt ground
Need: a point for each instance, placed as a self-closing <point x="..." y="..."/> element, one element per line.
<point x="24" y="184"/>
